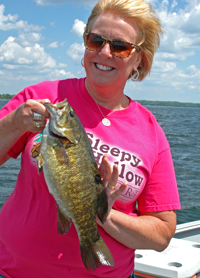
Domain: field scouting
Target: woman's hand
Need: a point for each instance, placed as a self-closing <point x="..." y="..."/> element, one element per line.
<point x="23" y="118"/>
<point x="110" y="178"/>
<point x="150" y="230"/>
<point x="17" y="122"/>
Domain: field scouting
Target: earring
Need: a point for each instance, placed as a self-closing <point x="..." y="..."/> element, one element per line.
<point x="135" y="75"/>
<point x="82" y="63"/>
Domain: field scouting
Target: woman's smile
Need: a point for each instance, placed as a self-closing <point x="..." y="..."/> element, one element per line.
<point x="102" y="67"/>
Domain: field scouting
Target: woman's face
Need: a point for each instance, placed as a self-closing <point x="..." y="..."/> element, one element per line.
<point x="103" y="69"/>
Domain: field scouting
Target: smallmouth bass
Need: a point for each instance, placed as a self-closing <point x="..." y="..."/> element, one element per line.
<point x="73" y="178"/>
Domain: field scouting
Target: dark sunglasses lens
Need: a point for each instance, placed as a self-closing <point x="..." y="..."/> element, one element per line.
<point x="94" y="42"/>
<point x="121" y="49"/>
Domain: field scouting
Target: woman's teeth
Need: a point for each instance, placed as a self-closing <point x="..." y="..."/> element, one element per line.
<point x="103" y="67"/>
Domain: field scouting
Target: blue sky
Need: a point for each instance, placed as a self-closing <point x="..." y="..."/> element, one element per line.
<point x="42" y="40"/>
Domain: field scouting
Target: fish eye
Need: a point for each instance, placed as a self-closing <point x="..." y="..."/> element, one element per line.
<point x="98" y="178"/>
<point x="71" y="114"/>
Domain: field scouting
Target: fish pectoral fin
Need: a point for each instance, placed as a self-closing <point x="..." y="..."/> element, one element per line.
<point x="102" y="206"/>
<point x="63" y="222"/>
<point x="97" y="254"/>
<point x="40" y="163"/>
<point x="62" y="155"/>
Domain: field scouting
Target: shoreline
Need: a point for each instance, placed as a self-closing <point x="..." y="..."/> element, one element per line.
<point x="169" y="103"/>
<point x="142" y="102"/>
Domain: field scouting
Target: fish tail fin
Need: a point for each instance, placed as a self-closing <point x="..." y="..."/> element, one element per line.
<point x="97" y="254"/>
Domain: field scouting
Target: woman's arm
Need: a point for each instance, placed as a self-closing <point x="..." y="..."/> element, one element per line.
<point x="4" y="159"/>
<point x="149" y="230"/>
<point x="19" y="121"/>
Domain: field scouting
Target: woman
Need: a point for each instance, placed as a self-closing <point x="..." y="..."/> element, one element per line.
<point x="120" y="38"/>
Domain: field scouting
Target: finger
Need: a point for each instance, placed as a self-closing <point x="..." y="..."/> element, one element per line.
<point x="43" y="100"/>
<point x="38" y="120"/>
<point x="102" y="167"/>
<point x="114" y="177"/>
<point x="41" y="112"/>
<point x="118" y="191"/>
<point x="38" y="117"/>
<point x="39" y="124"/>
<point x="39" y="108"/>
<point x="105" y="169"/>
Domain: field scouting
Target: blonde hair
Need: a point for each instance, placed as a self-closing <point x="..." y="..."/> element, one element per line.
<point x="144" y="15"/>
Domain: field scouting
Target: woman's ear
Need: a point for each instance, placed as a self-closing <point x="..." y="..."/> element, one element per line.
<point x="138" y="60"/>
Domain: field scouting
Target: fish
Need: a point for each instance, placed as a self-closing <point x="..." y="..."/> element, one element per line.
<point x="73" y="178"/>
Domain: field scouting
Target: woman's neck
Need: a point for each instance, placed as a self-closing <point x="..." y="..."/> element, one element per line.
<point x="112" y="100"/>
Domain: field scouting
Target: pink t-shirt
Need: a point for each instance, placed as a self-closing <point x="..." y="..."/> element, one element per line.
<point x="30" y="245"/>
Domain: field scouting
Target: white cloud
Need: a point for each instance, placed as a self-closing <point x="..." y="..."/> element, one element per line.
<point x="23" y="60"/>
<point x="174" y="4"/>
<point x="60" y="74"/>
<point x="179" y="43"/>
<point x="26" y="62"/>
<point x="78" y="28"/>
<point x="53" y="45"/>
<point x="182" y="31"/>
<point x="192" y="69"/>
<point x="10" y="67"/>
<point x="12" y="52"/>
<point x="56" y="2"/>
<point x="76" y="52"/>
<point x="164" y="5"/>
<point x="28" y="39"/>
<point x="170" y="80"/>
<point x="9" y="22"/>
<point x="35" y="77"/>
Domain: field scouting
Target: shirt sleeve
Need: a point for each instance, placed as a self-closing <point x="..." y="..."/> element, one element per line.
<point x="15" y="151"/>
<point x="17" y="100"/>
<point x="160" y="192"/>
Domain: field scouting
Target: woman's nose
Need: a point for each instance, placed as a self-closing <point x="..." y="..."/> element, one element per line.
<point x="105" y="51"/>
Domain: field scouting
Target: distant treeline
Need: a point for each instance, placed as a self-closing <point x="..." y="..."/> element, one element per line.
<point x="143" y="102"/>
<point x="6" y="96"/>
<point x="169" y="103"/>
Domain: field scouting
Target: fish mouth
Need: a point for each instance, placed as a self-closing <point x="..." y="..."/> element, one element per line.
<point x="51" y="108"/>
<point x="52" y="123"/>
<point x="63" y="124"/>
<point x="54" y="133"/>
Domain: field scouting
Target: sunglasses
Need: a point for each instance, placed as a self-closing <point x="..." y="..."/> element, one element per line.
<point x="119" y="48"/>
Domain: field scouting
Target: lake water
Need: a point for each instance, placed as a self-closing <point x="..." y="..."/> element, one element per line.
<point x="182" y="128"/>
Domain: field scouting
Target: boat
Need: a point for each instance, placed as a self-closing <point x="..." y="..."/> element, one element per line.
<point x="181" y="259"/>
